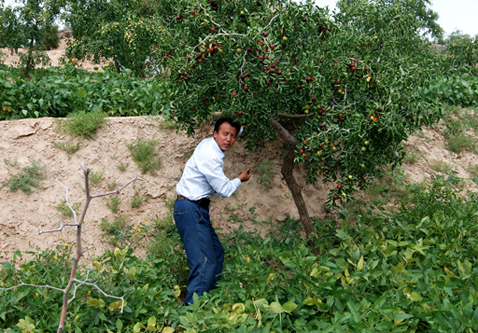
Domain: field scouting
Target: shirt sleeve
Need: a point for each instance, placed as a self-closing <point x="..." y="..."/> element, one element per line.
<point x="212" y="169"/>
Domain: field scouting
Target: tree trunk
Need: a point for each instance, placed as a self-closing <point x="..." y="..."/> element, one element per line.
<point x="287" y="172"/>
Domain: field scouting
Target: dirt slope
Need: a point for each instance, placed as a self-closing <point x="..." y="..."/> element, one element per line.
<point x="31" y="139"/>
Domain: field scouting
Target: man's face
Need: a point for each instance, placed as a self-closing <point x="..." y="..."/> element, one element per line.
<point x="226" y="136"/>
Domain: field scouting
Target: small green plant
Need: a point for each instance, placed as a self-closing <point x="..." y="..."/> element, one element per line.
<point x="264" y="170"/>
<point x="96" y="177"/>
<point x="440" y="166"/>
<point x="138" y="199"/>
<point x="69" y="147"/>
<point x="165" y="222"/>
<point x="65" y="211"/>
<point x="11" y="164"/>
<point x="113" y="202"/>
<point x="119" y="229"/>
<point x="30" y="176"/>
<point x="145" y="155"/>
<point x="412" y="157"/>
<point x="112" y="185"/>
<point x="167" y="124"/>
<point x="459" y="143"/>
<point x="122" y="166"/>
<point x="83" y="124"/>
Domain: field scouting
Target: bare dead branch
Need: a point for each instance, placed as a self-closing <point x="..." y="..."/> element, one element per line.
<point x="116" y="191"/>
<point x="32" y="285"/>
<point x="62" y="225"/>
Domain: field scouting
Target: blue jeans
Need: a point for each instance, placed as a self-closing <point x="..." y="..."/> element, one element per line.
<point x="203" y="249"/>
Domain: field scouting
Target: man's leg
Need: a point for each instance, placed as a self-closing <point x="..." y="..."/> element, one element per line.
<point x="219" y="251"/>
<point x="194" y="227"/>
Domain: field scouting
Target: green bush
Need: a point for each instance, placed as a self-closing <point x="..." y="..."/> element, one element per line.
<point x="30" y="176"/>
<point x="145" y="155"/>
<point x="55" y="92"/>
<point x="50" y="37"/>
<point x="414" y="270"/>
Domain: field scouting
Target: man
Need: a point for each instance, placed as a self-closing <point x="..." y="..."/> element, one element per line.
<point x="202" y="178"/>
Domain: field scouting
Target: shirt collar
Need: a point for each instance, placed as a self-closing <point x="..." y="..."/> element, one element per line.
<point x="216" y="148"/>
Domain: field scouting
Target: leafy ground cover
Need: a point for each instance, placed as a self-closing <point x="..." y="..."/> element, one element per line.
<point x="412" y="270"/>
<point x="56" y="92"/>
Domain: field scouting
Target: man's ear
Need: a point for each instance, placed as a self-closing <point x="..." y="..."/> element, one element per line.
<point x="215" y="134"/>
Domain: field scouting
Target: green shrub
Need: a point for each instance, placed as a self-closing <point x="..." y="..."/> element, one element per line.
<point x="56" y="91"/>
<point x="69" y="147"/>
<point x="30" y="176"/>
<point x="413" y="270"/>
<point x="265" y="173"/>
<point x="138" y="199"/>
<point x="112" y="202"/>
<point x="82" y="124"/>
<point x="145" y="155"/>
<point x="50" y="40"/>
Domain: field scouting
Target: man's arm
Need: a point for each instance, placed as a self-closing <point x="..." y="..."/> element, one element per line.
<point x="212" y="169"/>
<point x="244" y="176"/>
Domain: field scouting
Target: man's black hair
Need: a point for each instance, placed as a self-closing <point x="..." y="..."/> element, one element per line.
<point x="231" y="122"/>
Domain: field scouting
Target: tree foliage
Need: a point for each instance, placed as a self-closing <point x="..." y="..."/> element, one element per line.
<point x="124" y="32"/>
<point x="345" y="88"/>
<point x="24" y="26"/>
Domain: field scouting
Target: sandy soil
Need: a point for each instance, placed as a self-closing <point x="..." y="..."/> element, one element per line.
<point x="31" y="139"/>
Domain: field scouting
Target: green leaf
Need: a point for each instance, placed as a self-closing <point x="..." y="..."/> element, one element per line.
<point x="415" y="297"/>
<point x="96" y="302"/>
<point x="152" y="324"/>
<point x="119" y="325"/>
<point x="354" y="311"/>
<point x="137" y="327"/>
<point x="401" y="316"/>
<point x="360" y="264"/>
<point x="276" y="307"/>
<point x="289" y="306"/>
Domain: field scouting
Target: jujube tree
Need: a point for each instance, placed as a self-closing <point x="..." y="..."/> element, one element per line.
<point x="343" y="92"/>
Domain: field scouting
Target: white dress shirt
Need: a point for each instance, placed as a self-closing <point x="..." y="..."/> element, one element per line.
<point x="203" y="175"/>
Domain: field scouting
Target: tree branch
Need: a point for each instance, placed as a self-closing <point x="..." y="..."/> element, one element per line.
<point x="290" y="140"/>
<point x="33" y="285"/>
<point x="303" y="115"/>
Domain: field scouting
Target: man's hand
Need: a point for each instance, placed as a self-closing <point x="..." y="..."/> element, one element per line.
<point x="244" y="176"/>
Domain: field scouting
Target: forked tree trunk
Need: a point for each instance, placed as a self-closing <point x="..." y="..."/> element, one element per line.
<point x="287" y="172"/>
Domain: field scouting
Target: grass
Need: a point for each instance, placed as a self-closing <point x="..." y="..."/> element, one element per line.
<point x="457" y="122"/>
<point x="69" y="147"/>
<point x="167" y="124"/>
<point x="65" y="211"/>
<point x="393" y="186"/>
<point x="122" y="166"/>
<point x="163" y="230"/>
<point x="112" y="202"/>
<point x="412" y="157"/>
<point x="112" y="185"/>
<point x="264" y="171"/>
<point x="96" y="177"/>
<point x="440" y="166"/>
<point x="145" y="155"/>
<point x="460" y="143"/>
<point x="138" y="199"/>
<point x="117" y="228"/>
<point x="82" y="124"/>
<point x="30" y="176"/>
